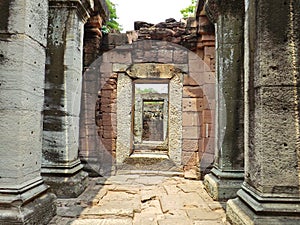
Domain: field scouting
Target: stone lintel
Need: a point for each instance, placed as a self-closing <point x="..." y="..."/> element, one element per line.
<point x="120" y="68"/>
<point x="152" y="70"/>
<point x="223" y="185"/>
<point x="124" y="68"/>
<point x="248" y="208"/>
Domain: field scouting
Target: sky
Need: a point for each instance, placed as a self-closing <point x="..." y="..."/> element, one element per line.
<point x="151" y="11"/>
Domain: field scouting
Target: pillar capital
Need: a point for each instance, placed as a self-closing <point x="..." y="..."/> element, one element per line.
<point x="83" y="7"/>
<point x="215" y="8"/>
<point x="212" y="8"/>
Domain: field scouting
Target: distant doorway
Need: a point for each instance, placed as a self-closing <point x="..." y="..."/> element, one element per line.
<point x="150" y="118"/>
<point x="153" y="128"/>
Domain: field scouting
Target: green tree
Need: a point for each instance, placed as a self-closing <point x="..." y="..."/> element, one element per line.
<point x="189" y="10"/>
<point x="112" y="24"/>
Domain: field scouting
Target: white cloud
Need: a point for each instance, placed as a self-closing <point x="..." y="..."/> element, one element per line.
<point x="152" y="11"/>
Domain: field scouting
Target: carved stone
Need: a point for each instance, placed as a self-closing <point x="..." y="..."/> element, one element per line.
<point x="227" y="175"/>
<point x="271" y="192"/>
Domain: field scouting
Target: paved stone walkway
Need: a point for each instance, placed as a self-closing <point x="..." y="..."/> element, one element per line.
<point x="141" y="200"/>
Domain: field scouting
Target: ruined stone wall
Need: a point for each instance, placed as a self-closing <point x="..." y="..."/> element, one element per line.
<point x="92" y="39"/>
<point x="105" y="119"/>
<point x="106" y="114"/>
<point x="197" y="35"/>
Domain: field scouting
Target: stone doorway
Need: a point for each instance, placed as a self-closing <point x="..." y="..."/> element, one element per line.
<point x="150" y="117"/>
<point x="151" y="95"/>
<point x="107" y="128"/>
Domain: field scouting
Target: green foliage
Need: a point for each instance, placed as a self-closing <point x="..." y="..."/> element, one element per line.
<point x="189" y="10"/>
<point x="145" y="90"/>
<point x="111" y="25"/>
<point x="105" y="29"/>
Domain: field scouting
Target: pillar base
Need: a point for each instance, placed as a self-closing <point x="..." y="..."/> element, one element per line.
<point x="250" y="209"/>
<point x="66" y="183"/>
<point x="103" y="166"/>
<point x="223" y="185"/>
<point x="30" y="205"/>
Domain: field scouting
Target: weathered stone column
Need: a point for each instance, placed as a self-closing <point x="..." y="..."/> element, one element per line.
<point x="88" y="136"/>
<point x="226" y="176"/>
<point x="24" y="198"/>
<point x="271" y="191"/>
<point x="61" y="166"/>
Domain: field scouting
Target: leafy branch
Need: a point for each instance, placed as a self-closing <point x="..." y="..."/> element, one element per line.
<point x="112" y="25"/>
<point x="189" y="10"/>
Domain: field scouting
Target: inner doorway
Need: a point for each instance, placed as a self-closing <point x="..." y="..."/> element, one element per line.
<point x="150" y="118"/>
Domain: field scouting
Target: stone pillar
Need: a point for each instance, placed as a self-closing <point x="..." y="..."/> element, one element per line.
<point x="24" y="198"/>
<point x="61" y="166"/>
<point x="271" y="191"/>
<point x="87" y="131"/>
<point x="226" y="176"/>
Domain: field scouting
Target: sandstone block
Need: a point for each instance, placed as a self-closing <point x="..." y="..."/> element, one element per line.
<point x="25" y="151"/>
<point x="208" y="116"/>
<point x="26" y="91"/>
<point x="191" y="133"/>
<point x="190" y="145"/>
<point x="188" y="80"/>
<point x="191" y="119"/>
<point x="31" y="20"/>
<point x="192" y="104"/>
<point x="194" y="92"/>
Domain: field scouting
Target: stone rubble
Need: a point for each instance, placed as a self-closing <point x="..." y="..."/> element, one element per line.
<point x="141" y="200"/>
<point x="183" y="33"/>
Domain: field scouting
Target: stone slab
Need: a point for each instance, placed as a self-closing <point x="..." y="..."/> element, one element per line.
<point x="140" y="204"/>
<point x="175" y="221"/>
<point x="109" y="210"/>
<point x="197" y="214"/>
<point x="109" y="221"/>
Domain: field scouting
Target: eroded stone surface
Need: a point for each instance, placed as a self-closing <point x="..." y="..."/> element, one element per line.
<point x="124" y="199"/>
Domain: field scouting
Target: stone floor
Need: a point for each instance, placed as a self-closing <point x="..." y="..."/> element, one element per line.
<point x="141" y="200"/>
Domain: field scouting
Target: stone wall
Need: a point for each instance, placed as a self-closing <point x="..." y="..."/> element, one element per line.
<point x="106" y="114"/>
<point x="106" y="120"/>
<point x="195" y="34"/>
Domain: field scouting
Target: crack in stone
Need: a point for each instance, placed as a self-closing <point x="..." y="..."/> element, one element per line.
<point x="149" y="199"/>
